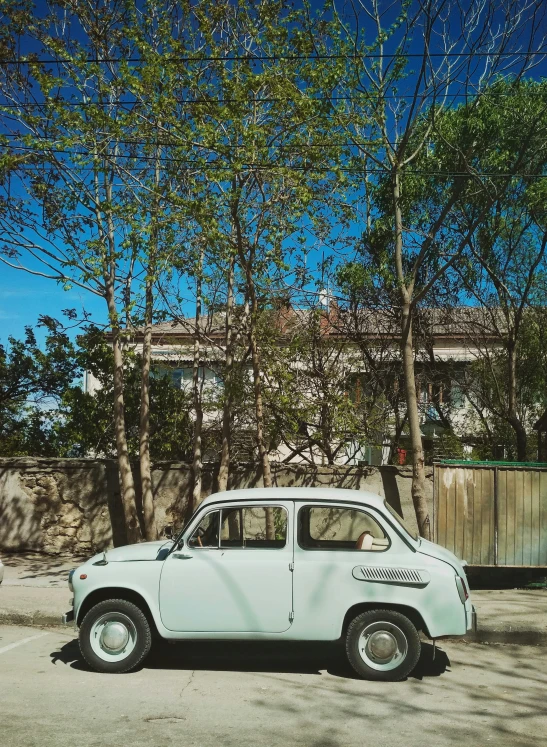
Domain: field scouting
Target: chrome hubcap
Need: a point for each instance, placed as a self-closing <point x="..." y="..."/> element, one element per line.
<point x="382" y="646"/>
<point x="114" y="637"/>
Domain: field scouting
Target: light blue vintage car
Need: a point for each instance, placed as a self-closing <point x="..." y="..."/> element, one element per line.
<point x="276" y="564"/>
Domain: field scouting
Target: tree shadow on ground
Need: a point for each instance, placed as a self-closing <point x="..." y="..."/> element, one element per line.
<point x="256" y="656"/>
<point x="492" y="694"/>
<point x="40" y="566"/>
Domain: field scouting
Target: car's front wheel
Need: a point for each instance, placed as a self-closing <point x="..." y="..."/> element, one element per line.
<point x="382" y="645"/>
<point x="115" y="636"/>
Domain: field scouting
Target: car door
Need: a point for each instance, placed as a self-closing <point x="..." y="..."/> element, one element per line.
<point x="233" y="572"/>
<point x="333" y="542"/>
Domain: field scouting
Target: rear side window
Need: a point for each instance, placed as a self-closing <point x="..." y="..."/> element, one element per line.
<point x="334" y="528"/>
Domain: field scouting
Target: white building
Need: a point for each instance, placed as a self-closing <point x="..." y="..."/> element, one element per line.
<point x="448" y="343"/>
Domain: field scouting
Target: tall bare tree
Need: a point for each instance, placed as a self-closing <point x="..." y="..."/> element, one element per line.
<point x="426" y="58"/>
<point x="505" y="284"/>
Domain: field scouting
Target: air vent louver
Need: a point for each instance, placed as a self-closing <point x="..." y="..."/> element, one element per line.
<point x="382" y="574"/>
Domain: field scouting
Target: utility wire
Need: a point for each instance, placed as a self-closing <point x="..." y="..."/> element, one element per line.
<point x="270" y="58"/>
<point x="205" y="146"/>
<point x="271" y="99"/>
<point x="269" y="166"/>
<point x="155" y="144"/>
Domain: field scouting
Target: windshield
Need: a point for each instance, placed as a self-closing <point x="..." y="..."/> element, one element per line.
<point x="401" y="521"/>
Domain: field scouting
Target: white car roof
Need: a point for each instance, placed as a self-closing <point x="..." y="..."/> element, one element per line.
<point x="296" y="494"/>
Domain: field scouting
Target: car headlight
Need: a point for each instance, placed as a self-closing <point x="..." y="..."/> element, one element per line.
<point x="70" y="574"/>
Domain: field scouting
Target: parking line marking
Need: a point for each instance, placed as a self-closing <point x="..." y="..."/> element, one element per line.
<point x="22" y="642"/>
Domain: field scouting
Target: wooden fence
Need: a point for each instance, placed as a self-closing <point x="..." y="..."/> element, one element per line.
<point x="492" y="514"/>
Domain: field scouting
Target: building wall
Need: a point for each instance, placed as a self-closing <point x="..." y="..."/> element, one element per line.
<point x="170" y="349"/>
<point x="73" y="505"/>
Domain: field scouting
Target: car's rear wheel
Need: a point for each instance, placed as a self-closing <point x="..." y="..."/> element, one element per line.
<point x="115" y="636"/>
<point x="382" y="645"/>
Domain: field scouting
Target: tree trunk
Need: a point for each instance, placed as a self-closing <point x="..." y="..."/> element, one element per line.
<point x="259" y="408"/>
<point x="127" y="485"/>
<point x="262" y="448"/>
<point x="197" y="462"/>
<point x="150" y="528"/>
<point x="513" y="418"/>
<point x="224" y="466"/>
<point x="247" y="266"/>
<point x="255" y="357"/>
<point x="419" y="495"/>
<point x="521" y="439"/>
<point x="197" y="391"/>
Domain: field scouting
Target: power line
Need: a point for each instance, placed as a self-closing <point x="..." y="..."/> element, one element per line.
<point x="271" y="58"/>
<point x="270" y="166"/>
<point x="210" y="146"/>
<point x="270" y="99"/>
<point x="206" y="146"/>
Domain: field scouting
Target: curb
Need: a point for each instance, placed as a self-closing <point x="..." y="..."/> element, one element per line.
<point x="516" y="637"/>
<point x="36" y="619"/>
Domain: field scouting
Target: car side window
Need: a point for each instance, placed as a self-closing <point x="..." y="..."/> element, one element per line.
<point x="254" y="527"/>
<point x="206" y="532"/>
<point x="336" y="528"/>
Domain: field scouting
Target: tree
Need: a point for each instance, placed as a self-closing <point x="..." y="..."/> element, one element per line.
<point x="253" y="102"/>
<point x="32" y="382"/>
<point x="92" y="203"/>
<point x="369" y="321"/>
<point x="71" y="212"/>
<point x="84" y="424"/>
<point x="310" y="395"/>
<point x="399" y="88"/>
<point x="506" y="271"/>
<point x="45" y="411"/>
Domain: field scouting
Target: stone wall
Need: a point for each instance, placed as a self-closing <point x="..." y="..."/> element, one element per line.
<point x="58" y="505"/>
<point x="73" y="505"/>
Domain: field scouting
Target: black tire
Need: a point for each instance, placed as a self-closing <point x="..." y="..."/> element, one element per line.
<point x="141" y="631"/>
<point x="400" y="628"/>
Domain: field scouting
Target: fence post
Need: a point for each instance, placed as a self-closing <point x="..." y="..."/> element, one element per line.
<point x="434" y="501"/>
<point x="496" y="516"/>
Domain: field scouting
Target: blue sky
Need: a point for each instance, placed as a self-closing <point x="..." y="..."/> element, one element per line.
<point x="24" y="297"/>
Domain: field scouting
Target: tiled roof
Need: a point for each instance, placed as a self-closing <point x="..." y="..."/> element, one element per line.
<point x="461" y="321"/>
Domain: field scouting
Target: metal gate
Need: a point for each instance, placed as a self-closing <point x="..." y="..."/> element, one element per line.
<point x="492" y="514"/>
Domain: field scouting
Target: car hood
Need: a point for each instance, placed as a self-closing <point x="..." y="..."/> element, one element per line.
<point x="140" y="551"/>
<point x="441" y="553"/>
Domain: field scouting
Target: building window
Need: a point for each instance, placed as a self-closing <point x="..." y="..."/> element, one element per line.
<point x="160" y="371"/>
<point x="206" y="375"/>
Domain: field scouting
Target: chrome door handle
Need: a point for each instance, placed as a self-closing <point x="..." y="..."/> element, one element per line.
<point x="180" y="556"/>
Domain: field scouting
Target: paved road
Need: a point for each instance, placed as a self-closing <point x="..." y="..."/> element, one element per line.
<point x="203" y="694"/>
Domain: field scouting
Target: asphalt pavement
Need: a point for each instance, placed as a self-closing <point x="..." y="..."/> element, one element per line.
<point x="255" y="695"/>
